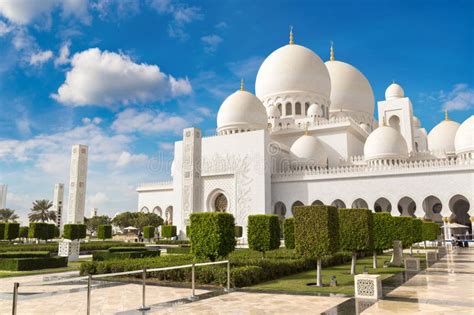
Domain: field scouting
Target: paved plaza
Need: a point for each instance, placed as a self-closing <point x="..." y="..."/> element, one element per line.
<point x="446" y="287"/>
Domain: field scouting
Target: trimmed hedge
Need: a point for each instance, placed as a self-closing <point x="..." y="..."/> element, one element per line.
<point x="52" y="247"/>
<point x="12" y="231"/>
<point x="168" y="231"/>
<point x="289" y="232"/>
<point x="384" y="229"/>
<point x="24" y="264"/>
<point x="416" y="231"/>
<point x="172" y="242"/>
<point x="53" y="231"/>
<point x="213" y="234"/>
<point x="430" y="231"/>
<point x="38" y="230"/>
<point x="74" y="231"/>
<point x="263" y="232"/>
<point x="104" y="231"/>
<point x="2" y="229"/>
<point x="356" y="230"/>
<point x="179" y="250"/>
<point x="188" y="231"/>
<point x="316" y="230"/>
<point x="24" y="254"/>
<point x="149" y="232"/>
<point x="109" y="255"/>
<point x="238" y="231"/>
<point x="127" y="249"/>
<point x="23" y="232"/>
<point x="406" y="230"/>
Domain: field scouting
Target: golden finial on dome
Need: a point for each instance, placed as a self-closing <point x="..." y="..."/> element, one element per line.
<point x="446" y="114"/>
<point x="292" y="41"/>
<point x="331" y="50"/>
<point x="306" y="128"/>
<point x="242" y="86"/>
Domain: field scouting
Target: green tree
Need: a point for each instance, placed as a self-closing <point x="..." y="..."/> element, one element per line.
<point x="316" y="233"/>
<point x="8" y="215"/>
<point x="124" y="219"/>
<point x="384" y="233"/>
<point x="41" y="213"/>
<point x="263" y="232"/>
<point x="137" y="219"/>
<point x="94" y="222"/>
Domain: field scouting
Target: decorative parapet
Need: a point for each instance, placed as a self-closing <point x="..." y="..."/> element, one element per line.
<point x="384" y="167"/>
<point x="168" y="185"/>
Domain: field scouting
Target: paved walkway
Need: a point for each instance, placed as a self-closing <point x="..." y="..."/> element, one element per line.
<point x="446" y="287"/>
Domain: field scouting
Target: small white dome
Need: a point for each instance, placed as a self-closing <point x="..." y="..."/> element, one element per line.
<point x="241" y="110"/>
<point x="416" y="122"/>
<point x="292" y="68"/>
<point x="394" y="91"/>
<point x="314" y="110"/>
<point x="311" y="149"/>
<point x="273" y="112"/>
<point x="441" y="137"/>
<point x="464" y="140"/>
<point x="385" y="143"/>
<point x="350" y="89"/>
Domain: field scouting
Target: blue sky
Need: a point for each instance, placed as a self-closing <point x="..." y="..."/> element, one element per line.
<point x="126" y="76"/>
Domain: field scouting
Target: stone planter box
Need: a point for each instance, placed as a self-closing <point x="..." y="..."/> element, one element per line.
<point x="431" y="258"/>
<point x="412" y="264"/>
<point x="368" y="286"/>
<point x="70" y="249"/>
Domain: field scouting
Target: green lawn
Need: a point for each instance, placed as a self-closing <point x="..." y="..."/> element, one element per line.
<point x="70" y="267"/>
<point x="345" y="281"/>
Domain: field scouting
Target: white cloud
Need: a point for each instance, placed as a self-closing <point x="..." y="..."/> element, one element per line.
<point x="95" y="120"/>
<point x="211" y="42"/>
<point x="166" y="146"/>
<point x="181" y="16"/>
<point x="246" y="68"/>
<point x="149" y="121"/>
<point x="113" y="9"/>
<point x="4" y="28"/>
<point x="24" y="12"/>
<point x="126" y="158"/>
<point x="108" y="79"/>
<point x="461" y="97"/>
<point x="221" y="24"/>
<point x="41" y="57"/>
<point x="64" y="52"/>
<point x="98" y="199"/>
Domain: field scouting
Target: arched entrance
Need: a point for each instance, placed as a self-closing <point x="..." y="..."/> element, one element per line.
<point x="297" y="203"/>
<point x="407" y="207"/>
<point x="459" y="206"/>
<point x="221" y="203"/>
<point x="432" y="207"/>
<point x="169" y="215"/>
<point x="360" y="204"/>
<point x="338" y="203"/>
<point x="144" y="210"/>
<point x="157" y="210"/>
<point x="382" y="205"/>
<point x="280" y="210"/>
<point x="317" y="203"/>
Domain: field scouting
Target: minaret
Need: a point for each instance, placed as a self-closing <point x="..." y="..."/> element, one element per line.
<point x="191" y="173"/>
<point x="58" y="203"/>
<point x="3" y="196"/>
<point x="77" y="183"/>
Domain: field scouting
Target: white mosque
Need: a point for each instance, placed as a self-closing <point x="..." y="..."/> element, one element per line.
<point x="309" y="136"/>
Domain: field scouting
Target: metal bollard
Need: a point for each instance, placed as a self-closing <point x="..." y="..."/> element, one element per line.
<point x="144" y="307"/>
<point x="89" y="282"/>
<point x="15" y="297"/>
<point x="228" y="276"/>
<point x="193" y="296"/>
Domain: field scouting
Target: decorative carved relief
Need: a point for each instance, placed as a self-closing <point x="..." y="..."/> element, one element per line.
<point x="366" y="287"/>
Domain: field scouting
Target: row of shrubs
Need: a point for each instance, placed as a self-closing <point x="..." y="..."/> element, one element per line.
<point x="124" y="253"/>
<point x="32" y="263"/>
<point x="248" y="267"/>
<point x="52" y="247"/>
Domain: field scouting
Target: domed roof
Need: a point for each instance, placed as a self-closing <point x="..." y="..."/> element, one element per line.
<point x="365" y="127"/>
<point x="385" y="143"/>
<point x="273" y="111"/>
<point x="464" y="140"/>
<point x="393" y="91"/>
<point x="350" y="89"/>
<point x="314" y="110"/>
<point x="292" y="68"/>
<point x="309" y="148"/>
<point x="441" y="137"/>
<point x="416" y="122"/>
<point x="241" y="109"/>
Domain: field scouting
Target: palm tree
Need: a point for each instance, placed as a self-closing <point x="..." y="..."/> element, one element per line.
<point x="41" y="213"/>
<point x="8" y="215"/>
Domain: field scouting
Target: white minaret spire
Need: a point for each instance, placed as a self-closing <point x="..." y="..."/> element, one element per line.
<point x="77" y="183"/>
<point x="58" y="203"/>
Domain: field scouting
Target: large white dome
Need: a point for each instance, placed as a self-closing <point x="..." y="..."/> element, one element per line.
<point x="394" y="91"/>
<point x="350" y="89"/>
<point x="309" y="148"/>
<point x="464" y="140"/>
<point x="385" y="143"/>
<point x="441" y="137"/>
<point x="292" y="68"/>
<point x="241" y="111"/>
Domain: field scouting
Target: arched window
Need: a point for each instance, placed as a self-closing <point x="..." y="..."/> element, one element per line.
<point x="298" y="109"/>
<point x="394" y="122"/>
<point x="145" y="210"/>
<point x="279" y="109"/>
<point x="220" y="203"/>
<point x="169" y="215"/>
<point x="306" y="106"/>
<point x="157" y="210"/>
<point x="288" y="109"/>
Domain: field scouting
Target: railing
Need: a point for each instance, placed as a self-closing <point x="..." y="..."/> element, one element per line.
<point x="144" y="271"/>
